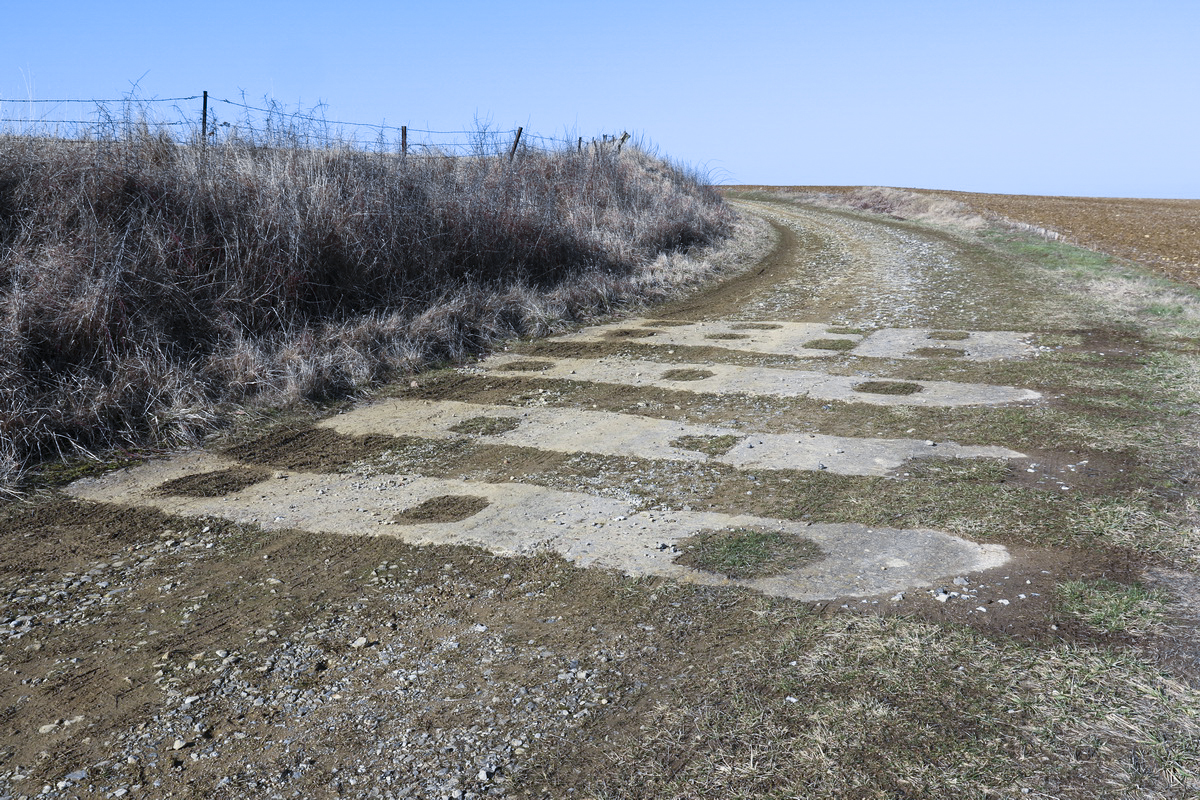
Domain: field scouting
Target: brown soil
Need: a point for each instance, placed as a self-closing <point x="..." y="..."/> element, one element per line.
<point x="447" y="508"/>
<point x="668" y="323"/>
<point x="309" y="448"/>
<point x="629" y="333"/>
<point x="215" y="484"/>
<point x="1163" y="234"/>
<point x="687" y="374"/>
<point x="525" y="366"/>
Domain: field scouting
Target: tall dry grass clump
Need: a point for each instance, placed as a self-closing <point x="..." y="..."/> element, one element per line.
<point x="146" y="281"/>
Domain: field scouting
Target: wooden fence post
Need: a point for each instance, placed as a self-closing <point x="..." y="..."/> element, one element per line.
<point x="516" y="141"/>
<point x="204" y="119"/>
<point x="403" y="142"/>
<point x="624" y="137"/>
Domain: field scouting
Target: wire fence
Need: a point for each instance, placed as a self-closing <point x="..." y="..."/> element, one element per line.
<point x="210" y="120"/>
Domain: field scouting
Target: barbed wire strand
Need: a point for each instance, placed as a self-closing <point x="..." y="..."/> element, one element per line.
<point x="99" y="102"/>
<point x="526" y="137"/>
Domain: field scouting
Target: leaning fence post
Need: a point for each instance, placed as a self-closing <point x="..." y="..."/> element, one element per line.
<point x="516" y="141"/>
<point x="624" y="137"/>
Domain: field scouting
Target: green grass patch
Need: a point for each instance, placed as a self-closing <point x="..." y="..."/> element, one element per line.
<point x="1114" y="607"/>
<point x="746" y="552"/>
<point x="1164" y="309"/>
<point x="726" y="337"/>
<point x="845" y="331"/>
<point x="949" y="336"/>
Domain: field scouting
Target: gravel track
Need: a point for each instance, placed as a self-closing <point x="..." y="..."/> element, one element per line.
<point x="151" y="655"/>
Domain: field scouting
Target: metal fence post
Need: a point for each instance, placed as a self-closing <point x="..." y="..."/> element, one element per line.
<point x="516" y="141"/>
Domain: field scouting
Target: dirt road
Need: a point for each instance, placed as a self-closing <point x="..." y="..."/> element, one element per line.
<point x="838" y="526"/>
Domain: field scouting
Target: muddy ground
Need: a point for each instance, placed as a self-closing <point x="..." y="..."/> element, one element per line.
<point x="210" y="632"/>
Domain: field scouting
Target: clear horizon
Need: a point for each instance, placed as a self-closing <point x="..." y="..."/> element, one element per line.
<point x="1094" y="99"/>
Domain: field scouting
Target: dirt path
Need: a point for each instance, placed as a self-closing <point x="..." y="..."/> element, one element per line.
<point x="523" y="576"/>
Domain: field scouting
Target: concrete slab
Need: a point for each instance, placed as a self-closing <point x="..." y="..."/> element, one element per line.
<point x="779" y="338"/>
<point x="761" y="381"/>
<point x="932" y="343"/>
<point x="794" y="339"/>
<point x="520" y="519"/>
<point x="569" y="430"/>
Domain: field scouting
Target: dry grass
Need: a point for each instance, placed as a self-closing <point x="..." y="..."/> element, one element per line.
<point x="146" y="281"/>
<point x="864" y="707"/>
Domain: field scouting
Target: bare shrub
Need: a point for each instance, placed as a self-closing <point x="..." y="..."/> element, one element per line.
<point x="147" y="280"/>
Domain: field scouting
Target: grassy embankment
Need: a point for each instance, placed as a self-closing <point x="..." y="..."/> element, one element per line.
<point x="147" y="281"/>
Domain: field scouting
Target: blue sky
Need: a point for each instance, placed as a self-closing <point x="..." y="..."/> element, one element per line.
<point x="1096" y="98"/>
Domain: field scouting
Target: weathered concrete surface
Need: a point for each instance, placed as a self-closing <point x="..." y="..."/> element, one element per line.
<point x="607" y="433"/>
<point x="778" y="337"/>
<point x="712" y="378"/>
<point x="518" y="518"/>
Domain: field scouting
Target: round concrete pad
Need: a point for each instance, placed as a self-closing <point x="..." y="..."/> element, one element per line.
<point x="520" y="519"/>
